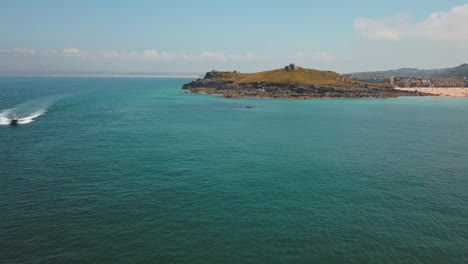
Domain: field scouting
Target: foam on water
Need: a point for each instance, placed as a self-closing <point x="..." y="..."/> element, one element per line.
<point x="28" y="111"/>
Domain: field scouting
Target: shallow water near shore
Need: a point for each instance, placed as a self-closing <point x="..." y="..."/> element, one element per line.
<point x="133" y="170"/>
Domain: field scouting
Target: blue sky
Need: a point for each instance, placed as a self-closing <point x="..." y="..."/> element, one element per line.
<point x="197" y="36"/>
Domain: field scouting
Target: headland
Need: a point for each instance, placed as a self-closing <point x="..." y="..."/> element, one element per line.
<point x="291" y="82"/>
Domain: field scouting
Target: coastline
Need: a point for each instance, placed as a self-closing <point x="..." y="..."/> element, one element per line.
<point x="312" y="93"/>
<point x="291" y="91"/>
<point x="291" y="82"/>
<point x="439" y="91"/>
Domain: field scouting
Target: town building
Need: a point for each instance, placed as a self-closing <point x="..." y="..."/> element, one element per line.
<point x="426" y="83"/>
<point x="408" y="82"/>
<point x="449" y="82"/>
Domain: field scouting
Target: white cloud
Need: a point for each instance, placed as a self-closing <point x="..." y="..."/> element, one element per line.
<point x="71" y="52"/>
<point x="389" y="29"/>
<point x="173" y="56"/>
<point x="298" y="55"/>
<point x="109" y="54"/>
<point x="151" y="54"/>
<point x="148" y="55"/>
<point x="51" y="52"/>
<point x="206" y="55"/>
<point x="156" y="55"/>
<point x="444" y="26"/>
<point x="451" y="25"/>
<point x="18" y="51"/>
<point x="212" y="55"/>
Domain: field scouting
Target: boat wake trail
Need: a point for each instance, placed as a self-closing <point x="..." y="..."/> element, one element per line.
<point x="28" y="111"/>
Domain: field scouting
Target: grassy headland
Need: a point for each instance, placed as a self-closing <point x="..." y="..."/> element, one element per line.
<point x="291" y="82"/>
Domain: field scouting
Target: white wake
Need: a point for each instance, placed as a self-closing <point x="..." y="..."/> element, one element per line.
<point x="28" y="111"/>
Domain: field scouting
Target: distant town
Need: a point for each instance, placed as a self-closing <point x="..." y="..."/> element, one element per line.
<point x="456" y="77"/>
<point x="413" y="82"/>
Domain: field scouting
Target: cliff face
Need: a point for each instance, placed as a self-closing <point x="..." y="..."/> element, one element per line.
<point x="303" y="84"/>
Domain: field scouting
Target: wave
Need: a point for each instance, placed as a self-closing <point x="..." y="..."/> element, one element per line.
<point x="28" y="111"/>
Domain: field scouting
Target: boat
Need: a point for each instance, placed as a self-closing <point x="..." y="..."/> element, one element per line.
<point x="14" y="121"/>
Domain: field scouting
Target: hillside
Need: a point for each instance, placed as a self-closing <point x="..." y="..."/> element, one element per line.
<point x="459" y="71"/>
<point x="291" y="82"/>
<point x="304" y="76"/>
<point x="300" y="76"/>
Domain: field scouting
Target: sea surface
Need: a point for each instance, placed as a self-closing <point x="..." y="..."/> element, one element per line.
<point x="134" y="170"/>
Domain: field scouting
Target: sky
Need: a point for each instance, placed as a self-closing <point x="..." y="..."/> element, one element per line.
<point x="243" y="35"/>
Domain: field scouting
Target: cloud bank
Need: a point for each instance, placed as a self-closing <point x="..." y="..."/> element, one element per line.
<point x="146" y="55"/>
<point x="71" y="52"/>
<point x="18" y="51"/>
<point x="447" y="26"/>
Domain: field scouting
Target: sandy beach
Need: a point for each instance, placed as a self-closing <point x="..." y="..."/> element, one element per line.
<point x="453" y="92"/>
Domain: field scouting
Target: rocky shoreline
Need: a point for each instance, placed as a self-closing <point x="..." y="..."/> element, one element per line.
<point x="231" y="89"/>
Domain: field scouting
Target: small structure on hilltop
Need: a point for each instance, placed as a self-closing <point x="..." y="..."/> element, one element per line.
<point x="292" y="67"/>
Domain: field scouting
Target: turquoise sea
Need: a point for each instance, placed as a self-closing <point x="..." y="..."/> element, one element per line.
<point x="133" y="170"/>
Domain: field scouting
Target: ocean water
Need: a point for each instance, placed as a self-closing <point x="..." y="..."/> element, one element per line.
<point x="122" y="170"/>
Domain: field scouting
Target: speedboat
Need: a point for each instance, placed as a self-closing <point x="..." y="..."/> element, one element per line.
<point x="14" y="121"/>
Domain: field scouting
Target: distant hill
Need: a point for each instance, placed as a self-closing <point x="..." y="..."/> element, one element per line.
<point x="459" y="71"/>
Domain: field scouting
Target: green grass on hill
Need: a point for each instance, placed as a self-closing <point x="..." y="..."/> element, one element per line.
<point x="281" y="76"/>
